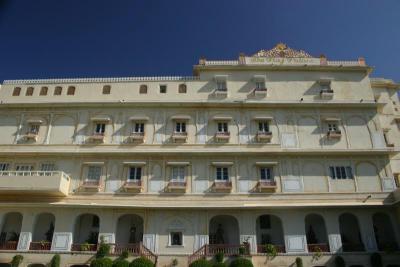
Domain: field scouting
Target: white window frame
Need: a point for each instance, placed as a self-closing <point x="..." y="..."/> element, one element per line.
<point x="138" y="127"/>
<point x="136" y="173"/>
<point x="100" y="128"/>
<point x="269" y="172"/>
<point x="34" y="128"/>
<point x="88" y="175"/>
<point x="221" y="170"/>
<point x="180" y="127"/>
<point x="260" y="84"/>
<point x="341" y="172"/>
<point x="222" y="86"/>
<point x="47" y="167"/>
<point x="4" y="166"/>
<point x="263" y="126"/>
<point x="24" y="168"/>
<point x="224" y="126"/>
<point x="333" y="127"/>
<point x="178" y="173"/>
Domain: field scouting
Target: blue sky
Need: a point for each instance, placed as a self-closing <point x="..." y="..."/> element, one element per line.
<point x="98" y="38"/>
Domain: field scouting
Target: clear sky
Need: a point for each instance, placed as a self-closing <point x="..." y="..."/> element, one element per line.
<point x="98" y="38"/>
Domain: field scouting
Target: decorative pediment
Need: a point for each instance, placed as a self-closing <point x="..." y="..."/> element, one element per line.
<point x="283" y="51"/>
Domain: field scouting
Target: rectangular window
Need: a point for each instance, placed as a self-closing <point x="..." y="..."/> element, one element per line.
<point x="100" y="128"/>
<point x="138" y="127"/>
<point x="178" y="173"/>
<point x="71" y="90"/>
<point x="341" y="172"/>
<point x="58" y="90"/>
<point x="4" y="166"/>
<point x="24" y="169"/>
<point x="94" y="173"/>
<point x="176" y="238"/>
<point x="47" y="167"/>
<point x="163" y="89"/>
<point x="221" y="86"/>
<point x="43" y="90"/>
<point x="332" y="127"/>
<point x="29" y="91"/>
<point x="222" y="174"/>
<point x="34" y="128"/>
<point x="106" y="89"/>
<point x="266" y="173"/>
<point x="135" y="173"/>
<point x="260" y="85"/>
<point x="222" y="127"/>
<point x="263" y="126"/>
<point x="180" y="127"/>
<point x="16" y="91"/>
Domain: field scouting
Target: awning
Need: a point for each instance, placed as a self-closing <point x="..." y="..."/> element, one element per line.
<point x="93" y="163"/>
<point x="221" y="78"/>
<point x="139" y="118"/>
<point x="178" y="163"/>
<point x="331" y="119"/>
<point x="259" y="78"/>
<point x="263" y="118"/>
<point x="266" y="163"/>
<point x="222" y="163"/>
<point x="37" y="121"/>
<point x="101" y="118"/>
<point x="181" y="117"/>
<point x="222" y="118"/>
<point x="135" y="163"/>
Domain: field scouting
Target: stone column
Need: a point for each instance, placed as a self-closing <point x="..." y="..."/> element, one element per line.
<point x="247" y="230"/>
<point x="367" y="231"/>
<point x="63" y="230"/>
<point x="25" y="236"/>
<point x="149" y="232"/>
<point x="333" y="232"/>
<point x="294" y="231"/>
<point x="107" y="227"/>
<point x="201" y="231"/>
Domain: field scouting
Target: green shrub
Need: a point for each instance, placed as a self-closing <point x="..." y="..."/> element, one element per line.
<point x="241" y="262"/>
<point x="299" y="262"/>
<point x="124" y="254"/>
<point x="201" y="263"/>
<point x="376" y="260"/>
<point x="16" y="260"/>
<point x="219" y="264"/>
<point x="55" y="261"/>
<point x="339" y="262"/>
<point x="141" y="262"/>
<point x="101" y="262"/>
<point x="219" y="257"/>
<point x="270" y="250"/>
<point x="120" y="263"/>
<point x="103" y="250"/>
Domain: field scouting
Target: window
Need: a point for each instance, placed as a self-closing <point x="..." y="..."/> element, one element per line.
<point x="17" y="91"/>
<point x="47" y="167"/>
<point x="265" y="222"/>
<point x="143" y="89"/>
<point x="266" y="173"/>
<point x="260" y="85"/>
<point x="139" y="127"/>
<point x="94" y="173"/>
<point x="43" y="90"/>
<point x="100" y="128"/>
<point x="4" y="166"/>
<point x="182" y="88"/>
<point x="176" y="238"/>
<point x="71" y="90"/>
<point x="106" y="89"/>
<point x="221" y="86"/>
<point x="325" y="85"/>
<point x="34" y="128"/>
<point x="58" y="90"/>
<point x="222" y="127"/>
<point x="163" y="89"/>
<point x="24" y="168"/>
<point x="341" y="172"/>
<point x="178" y="173"/>
<point x="263" y="126"/>
<point x="180" y="127"/>
<point x="135" y="173"/>
<point x="332" y="127"/>
<point x="29" y="91"/>
<point x="222" y="174"/>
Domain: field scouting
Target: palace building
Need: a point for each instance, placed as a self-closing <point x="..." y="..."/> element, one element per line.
<point x="278" y="147"/>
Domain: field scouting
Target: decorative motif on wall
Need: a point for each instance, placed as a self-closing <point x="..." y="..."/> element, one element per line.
<point x="282" y="50"/>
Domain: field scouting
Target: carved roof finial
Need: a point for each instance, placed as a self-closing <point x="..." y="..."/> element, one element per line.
<point x="282" y="50"/>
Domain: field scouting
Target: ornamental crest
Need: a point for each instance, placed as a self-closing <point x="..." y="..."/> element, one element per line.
<point x="283" y="51"/>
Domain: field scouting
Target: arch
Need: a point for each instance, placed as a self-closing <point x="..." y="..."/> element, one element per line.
<point x="143" y="89"/>
<point x="384" y="232"/>
<point x="63" y="129"/>
<point x="316" y="233"/>
<point x="308" y="132"/>
<point x="182" y="89"/>
<point x="350" y="233"/>
<point x="10" y="230"/>
<point x="224" y="229"/>
<point x="367" y="177"/>
<point x="269" y="230"/>
<point x="43" y="231"/>
<point x="358" y="132"/>
<point x="130" y="228"/>
<point x="86" y="231"/>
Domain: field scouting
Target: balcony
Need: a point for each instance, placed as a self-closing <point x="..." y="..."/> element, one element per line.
<point x="132" y="186"/>
<point x="221" y="92"/>
<point x="326" y="94"/>
<point x="84" y="247"/>
<point x="136" y="137"/>
<point x="266" y="186"/>
<point x="179" y="137"/>
<point x="89" y="185"/>
<point x="222" y="186"/>
<point x="261" y="92"/>
<point x="176" y="186"/>
<point x="222" y="136"/>
<point x="97" y="138"/>
<point x="30" y="137"/>
<point x="334" y="134"/>
<point x="323" y="247"/>
<point x="42" y="245"/>
<point x="263" y="248"/>
<point x="8" y="245"/>
<point x="264" y="136"/>
<point x="52" y="183"/>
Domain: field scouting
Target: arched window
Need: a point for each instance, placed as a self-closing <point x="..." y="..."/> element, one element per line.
<point x="29" y="91"/>
<point x="71" y="90"/>
<point x="58" y="90"/>
<point x="106" y="89"/>
<point x="182" y="88"/>
<point x="17" y="91"/>
<point x="43" y="90"/>
<point x="143" y="89"/>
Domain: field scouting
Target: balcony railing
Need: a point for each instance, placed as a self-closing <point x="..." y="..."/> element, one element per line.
<point x="8" y="245"/>
<point x="91" y="185"/>
<point x="222" y="135"/>
<point x="326" y="93"/>
<point x="227" y="249"/>
<point x="266" y="185"/>
<point x="37" y="182"/>
<point x="40" y="246"/>
<point x="136" y="137"/>
<point x="31" y="136"/>
<point x="179" y="136"/>
<point x="263" y="248"/>
<point x="97" y="137"/>
<point x="222" y="186"/>
<point x="264" y="136"/>
<point x="334" y="134"/>
<point x="84" y="247"/>
<point x="322" y="247"/>
<point x="260" y="91"/>
<point x="132" y="249"/>
<point x="133" y="185"/>
<point x="176" y="185"/>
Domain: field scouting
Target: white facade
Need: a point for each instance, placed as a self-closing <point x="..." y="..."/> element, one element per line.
<point x="181" y="162"/>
